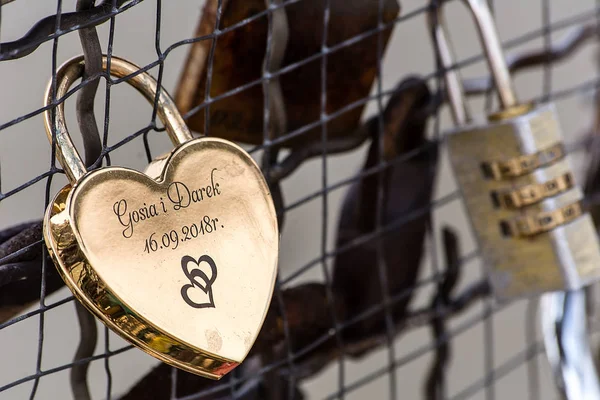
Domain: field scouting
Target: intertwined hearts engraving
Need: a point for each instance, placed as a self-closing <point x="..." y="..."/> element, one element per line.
<point x="199" y="279"/>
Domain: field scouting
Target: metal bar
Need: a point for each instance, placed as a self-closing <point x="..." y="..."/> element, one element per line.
<point x="493" y="51"/>
<point x="452" y="80"/>
<point x="564" y="328"/>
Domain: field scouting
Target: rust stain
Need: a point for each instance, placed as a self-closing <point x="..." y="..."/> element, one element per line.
<point x="238" y="60"/>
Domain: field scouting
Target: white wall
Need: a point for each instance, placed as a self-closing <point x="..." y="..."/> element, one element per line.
<point x="25" y="153"/>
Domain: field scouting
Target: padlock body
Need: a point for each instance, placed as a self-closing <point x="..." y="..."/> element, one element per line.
<point x="182" y="264"/>
<point x="524" y="206"/>
<point x="79" y="275"/>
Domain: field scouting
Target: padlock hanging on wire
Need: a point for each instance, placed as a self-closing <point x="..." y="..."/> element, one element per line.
<point x="516" y="180"/>
<point x="180" y="260"/>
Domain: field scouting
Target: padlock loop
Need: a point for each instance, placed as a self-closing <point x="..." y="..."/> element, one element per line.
<point x="492" y="48"/>
<point x="496" y="61"/>
<point x="457" y="101"/>
<point x="69" y="72"/>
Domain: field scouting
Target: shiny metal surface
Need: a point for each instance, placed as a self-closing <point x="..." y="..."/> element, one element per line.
<point x="181" y="262"/>
<point x="563" y="322"/>
<point x="71" y="71"/>
<point x="493" y="51"/>
<point x="457" y="101"/>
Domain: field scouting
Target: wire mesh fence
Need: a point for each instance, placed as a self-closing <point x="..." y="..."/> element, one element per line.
<point x="358" y="308"/>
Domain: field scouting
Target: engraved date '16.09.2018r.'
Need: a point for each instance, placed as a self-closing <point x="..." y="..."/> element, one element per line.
<point x="171" y="239"/>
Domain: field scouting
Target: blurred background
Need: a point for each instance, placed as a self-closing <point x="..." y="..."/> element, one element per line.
<point x="498" y="341"/>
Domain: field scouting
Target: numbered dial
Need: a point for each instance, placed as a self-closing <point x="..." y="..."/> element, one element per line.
<point x="543" y="222"/>
<point x="534" y="193"/>
<point x="524" y="164"/>
<point x="518" y="198"/>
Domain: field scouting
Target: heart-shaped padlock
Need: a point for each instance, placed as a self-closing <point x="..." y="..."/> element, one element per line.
<point x="180" y="261"/>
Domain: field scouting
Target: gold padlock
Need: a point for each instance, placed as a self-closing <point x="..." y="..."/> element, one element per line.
<point x="180" y="261"/>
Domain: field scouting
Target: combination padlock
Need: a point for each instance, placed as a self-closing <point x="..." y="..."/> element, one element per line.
<point x="516" y="180"/>
<point x="181" y="260"/>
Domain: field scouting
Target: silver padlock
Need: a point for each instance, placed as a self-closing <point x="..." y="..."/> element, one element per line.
<point x="516" y="180"/>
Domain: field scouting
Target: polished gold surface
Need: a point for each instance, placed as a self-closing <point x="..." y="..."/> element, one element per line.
<point x="181" y="263"/>
<point x="565" y="257"/>
<point x="71" y="71"/>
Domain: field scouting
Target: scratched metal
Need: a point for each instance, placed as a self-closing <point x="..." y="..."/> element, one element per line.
<point x="567" y="257"/>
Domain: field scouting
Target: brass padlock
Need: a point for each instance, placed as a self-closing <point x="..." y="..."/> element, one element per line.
<point x="516" y="180"/>
<point x="181" y="261"/>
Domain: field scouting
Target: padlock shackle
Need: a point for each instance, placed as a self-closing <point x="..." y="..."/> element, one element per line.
<point x="492" y="50"/>
<point x="452" y="80"/>
<point x="488" y="34"/>
<point x="71" y="71"/>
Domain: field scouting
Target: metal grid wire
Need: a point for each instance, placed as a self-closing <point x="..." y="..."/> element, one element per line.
<point x="52" y="29"/>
